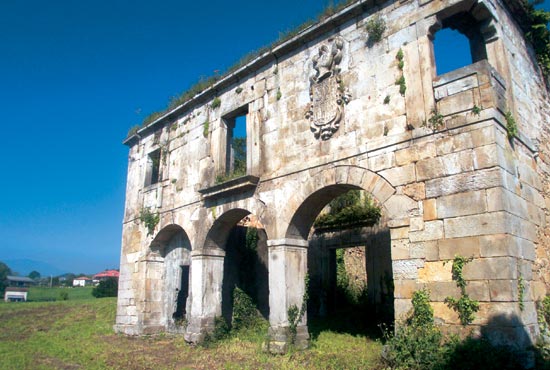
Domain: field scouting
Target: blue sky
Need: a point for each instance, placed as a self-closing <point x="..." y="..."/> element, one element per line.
<point x="74" y="77"/>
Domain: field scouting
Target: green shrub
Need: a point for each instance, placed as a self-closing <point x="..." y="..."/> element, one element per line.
<point x="63" y="296"/>
<point x="375" y="28"/>
<point x="245" y="314"/>
<point x="348" y="210"/>
<point x="423" y="313"/>
<point x="511" y="126"/>
<point x="150" y="219"/>
<point x="216" y="103"/>
<point x="221" y="331"/>
<point x="106" y="288"/>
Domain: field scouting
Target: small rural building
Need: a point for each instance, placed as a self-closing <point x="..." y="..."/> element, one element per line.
<point x="82" y="281"/>
<point x="20" y="281"/>
<point x="104" y="275"/>
<point x="15" y="294"/>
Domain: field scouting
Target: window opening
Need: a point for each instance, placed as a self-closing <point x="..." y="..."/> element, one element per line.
<point x="235" y="165"/>
<point x="458" y="44"/>
<point x="153" y="168"/>
<point x="183" y="293"/>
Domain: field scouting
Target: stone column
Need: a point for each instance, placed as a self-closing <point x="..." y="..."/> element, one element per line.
<point x="287" y="272"/>
<point x="205" y="292"/>
<point x="152" y="266"/>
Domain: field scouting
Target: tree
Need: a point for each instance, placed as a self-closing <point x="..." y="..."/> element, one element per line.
<point x="106" y="288"/>
<point x="34" y="275"/>
<point x="4" y="272"/>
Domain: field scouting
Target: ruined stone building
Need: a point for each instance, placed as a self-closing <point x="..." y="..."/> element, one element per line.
<point x="457" y="163"/>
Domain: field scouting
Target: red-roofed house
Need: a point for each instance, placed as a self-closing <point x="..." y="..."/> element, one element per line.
<point x="105" y="275"/>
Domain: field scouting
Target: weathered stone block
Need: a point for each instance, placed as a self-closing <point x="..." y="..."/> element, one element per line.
<point x="430" y="209"/>
<point x="462" y="204"/>
<point x="400" y="175"/>
<point x="425" y="250"/>
<point x="435" y="271"/>
<point x="406" y="269"/>
<point x="433" y="230"/>
<point x="404" y="289"/>
<point x="468" y="247"/>
<point x="503" y="290"/>
<point x="481" y="224"/>
<point x="469" y="181"/>
<point x="491" y="268"/>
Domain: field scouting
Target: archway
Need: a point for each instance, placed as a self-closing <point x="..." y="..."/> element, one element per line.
<point x="288" y="255"/>
<point x="172" y="249"/>
<point x="241" y="239"/>
<point x="348" y="260"/>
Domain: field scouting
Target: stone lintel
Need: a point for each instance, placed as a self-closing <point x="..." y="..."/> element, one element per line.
<point x="287" y="242"/>
<point x="208" y="252"/>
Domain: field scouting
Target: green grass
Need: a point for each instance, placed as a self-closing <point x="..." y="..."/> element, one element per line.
<point x="53" y="294"/>
<point x="78" y="334"/>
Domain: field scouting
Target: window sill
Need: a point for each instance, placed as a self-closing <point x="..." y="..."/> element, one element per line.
<point x="238" y="185"/>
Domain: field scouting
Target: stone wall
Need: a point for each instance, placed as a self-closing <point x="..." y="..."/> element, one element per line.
<point x="324" y="115"/>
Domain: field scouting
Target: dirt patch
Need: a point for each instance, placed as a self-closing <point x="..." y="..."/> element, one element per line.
<point x="24" y="323"/>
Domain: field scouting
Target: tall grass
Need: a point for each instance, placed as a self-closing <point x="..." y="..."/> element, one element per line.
<point x="78" y="334"/>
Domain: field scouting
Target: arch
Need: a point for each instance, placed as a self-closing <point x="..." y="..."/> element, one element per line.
<point x="312" y="195"/>
<point x="168" y="277"/>
<point x="165" y="235"/>
<point x="218" y="233"/>
<point x="289" y="253"/>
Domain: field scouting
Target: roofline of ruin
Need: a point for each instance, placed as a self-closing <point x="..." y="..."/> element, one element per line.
<point x="309" y="33"/>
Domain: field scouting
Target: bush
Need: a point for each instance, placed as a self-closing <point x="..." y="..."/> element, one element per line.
<point x="106" y="288"/>
<point x="245" y="314"/>
<point x="419" y="344"/>
<point x="63" y="296"/>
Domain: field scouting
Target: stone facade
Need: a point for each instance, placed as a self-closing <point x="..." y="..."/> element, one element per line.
<point x="324" y="114"/>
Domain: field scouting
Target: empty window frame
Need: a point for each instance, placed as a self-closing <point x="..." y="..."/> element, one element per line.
<point x="152" y="173"/>
<point x="236" y="148"/>
<point x="459" y="43"/>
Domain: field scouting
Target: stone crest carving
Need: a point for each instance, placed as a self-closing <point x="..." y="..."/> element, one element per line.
<point x="326" y="90"/>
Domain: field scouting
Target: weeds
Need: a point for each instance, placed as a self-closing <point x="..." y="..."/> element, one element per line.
<point x="464" y="306"/>
<point x="216" y="103"/>
<point x="205" y="128"/>
<point x="402" y="85"/>
<point x="150" y="219"/>
<point x="511" y="126"/>
<point x="375" y="27"/>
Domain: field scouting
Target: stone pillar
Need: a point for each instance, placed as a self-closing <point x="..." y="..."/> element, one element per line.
<point x="287" y="272"/>
<point x="152" y="266"/>
<point x="205" y="292"/>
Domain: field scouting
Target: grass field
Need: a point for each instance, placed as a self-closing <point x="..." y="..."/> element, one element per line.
<point x="53" y="294"/>
<point x="78" y="334"/>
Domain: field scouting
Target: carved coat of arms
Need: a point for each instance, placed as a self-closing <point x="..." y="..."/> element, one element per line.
<point x="326" y="90"/>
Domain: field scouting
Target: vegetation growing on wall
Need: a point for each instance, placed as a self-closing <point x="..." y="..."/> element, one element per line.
<point x="419" y="345"/>
<point x="511" y="126"/>
<point x="150" y="219"/>
<point x="206" y="82"/>
<point x="464" y="306"/>
<point x="295" y="314"/>
<point x="435" y="121"/>
<point x="539" y="35"/>
<point x="348" y="210"/>
<point x="375" y="29"/>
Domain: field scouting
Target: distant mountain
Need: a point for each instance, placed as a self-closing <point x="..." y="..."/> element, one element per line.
<point x="24" y="266"/>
